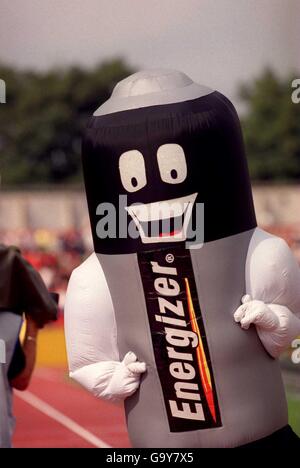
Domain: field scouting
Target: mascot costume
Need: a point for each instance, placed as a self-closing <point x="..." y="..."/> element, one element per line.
<point x="183" y="313"/>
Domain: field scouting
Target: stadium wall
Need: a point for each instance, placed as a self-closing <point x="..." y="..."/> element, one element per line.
<point x="60" y="210"/>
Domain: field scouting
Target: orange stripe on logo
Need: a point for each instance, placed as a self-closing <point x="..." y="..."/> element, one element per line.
<point x="201" y="357"/>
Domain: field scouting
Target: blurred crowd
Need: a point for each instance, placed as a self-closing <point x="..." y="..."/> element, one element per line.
<point x="55" y="254"/>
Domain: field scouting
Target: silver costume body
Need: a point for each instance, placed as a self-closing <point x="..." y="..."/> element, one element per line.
<point x="248" y="381"/>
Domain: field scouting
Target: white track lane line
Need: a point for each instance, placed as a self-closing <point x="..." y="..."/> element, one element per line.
<point x="59" y="417"/>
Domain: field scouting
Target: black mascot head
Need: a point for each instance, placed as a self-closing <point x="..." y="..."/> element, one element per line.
<point x="160" y="147"/>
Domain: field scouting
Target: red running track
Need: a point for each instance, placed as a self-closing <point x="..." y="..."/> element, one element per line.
<point x="54" y="412"/>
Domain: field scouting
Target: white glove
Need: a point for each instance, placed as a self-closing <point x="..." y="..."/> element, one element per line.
<point x="276" y="325"/>
<point x="112" y="380"/>
<point x="125" y="379"/>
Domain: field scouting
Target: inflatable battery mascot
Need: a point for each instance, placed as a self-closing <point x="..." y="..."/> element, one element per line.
<point x="185" y="306"/>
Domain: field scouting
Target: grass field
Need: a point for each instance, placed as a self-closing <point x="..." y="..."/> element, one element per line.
<point x="294" y="412"/>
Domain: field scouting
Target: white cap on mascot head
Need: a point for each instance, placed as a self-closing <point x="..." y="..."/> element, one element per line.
<point x="151" y="88"/>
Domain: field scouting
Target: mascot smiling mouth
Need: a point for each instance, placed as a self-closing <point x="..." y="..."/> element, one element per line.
<point x="163" y="221"/>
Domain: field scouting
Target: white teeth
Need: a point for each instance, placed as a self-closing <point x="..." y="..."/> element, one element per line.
<point x="163" y="210"/>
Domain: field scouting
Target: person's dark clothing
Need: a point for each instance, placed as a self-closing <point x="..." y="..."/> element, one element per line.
<point x="22" y="288"/>
<point x="285" y="438"/>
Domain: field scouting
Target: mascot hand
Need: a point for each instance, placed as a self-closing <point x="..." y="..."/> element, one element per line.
<point x="125" y="379"/>
<point x="276" y="325"/>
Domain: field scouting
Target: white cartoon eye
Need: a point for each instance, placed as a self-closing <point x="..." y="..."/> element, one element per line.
<point x="132" y="170"/>
<point x="172" y="163"/>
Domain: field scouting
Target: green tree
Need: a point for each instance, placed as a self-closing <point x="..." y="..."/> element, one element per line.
<point x="271" y="128"/>
<point x="42" y="123"/>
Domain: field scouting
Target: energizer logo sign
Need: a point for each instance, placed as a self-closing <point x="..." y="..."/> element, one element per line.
<point x="179" y="340"/>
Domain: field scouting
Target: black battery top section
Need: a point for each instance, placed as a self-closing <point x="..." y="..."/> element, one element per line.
<point x="179" y="340"/>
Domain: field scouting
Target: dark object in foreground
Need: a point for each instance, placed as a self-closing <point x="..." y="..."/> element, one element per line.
<point x="18" y="362"/>
<point x="283" y="439"/>
<point x="22" y="289"/>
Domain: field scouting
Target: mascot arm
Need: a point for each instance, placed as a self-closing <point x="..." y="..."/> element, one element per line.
<point x="272" y="302"/>
<point x="91" y="337"/>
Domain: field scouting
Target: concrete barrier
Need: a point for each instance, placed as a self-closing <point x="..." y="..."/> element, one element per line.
<point x="60" y="210"/>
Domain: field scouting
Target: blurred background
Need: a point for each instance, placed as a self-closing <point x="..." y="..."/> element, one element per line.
<point x="60" y="59"/>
